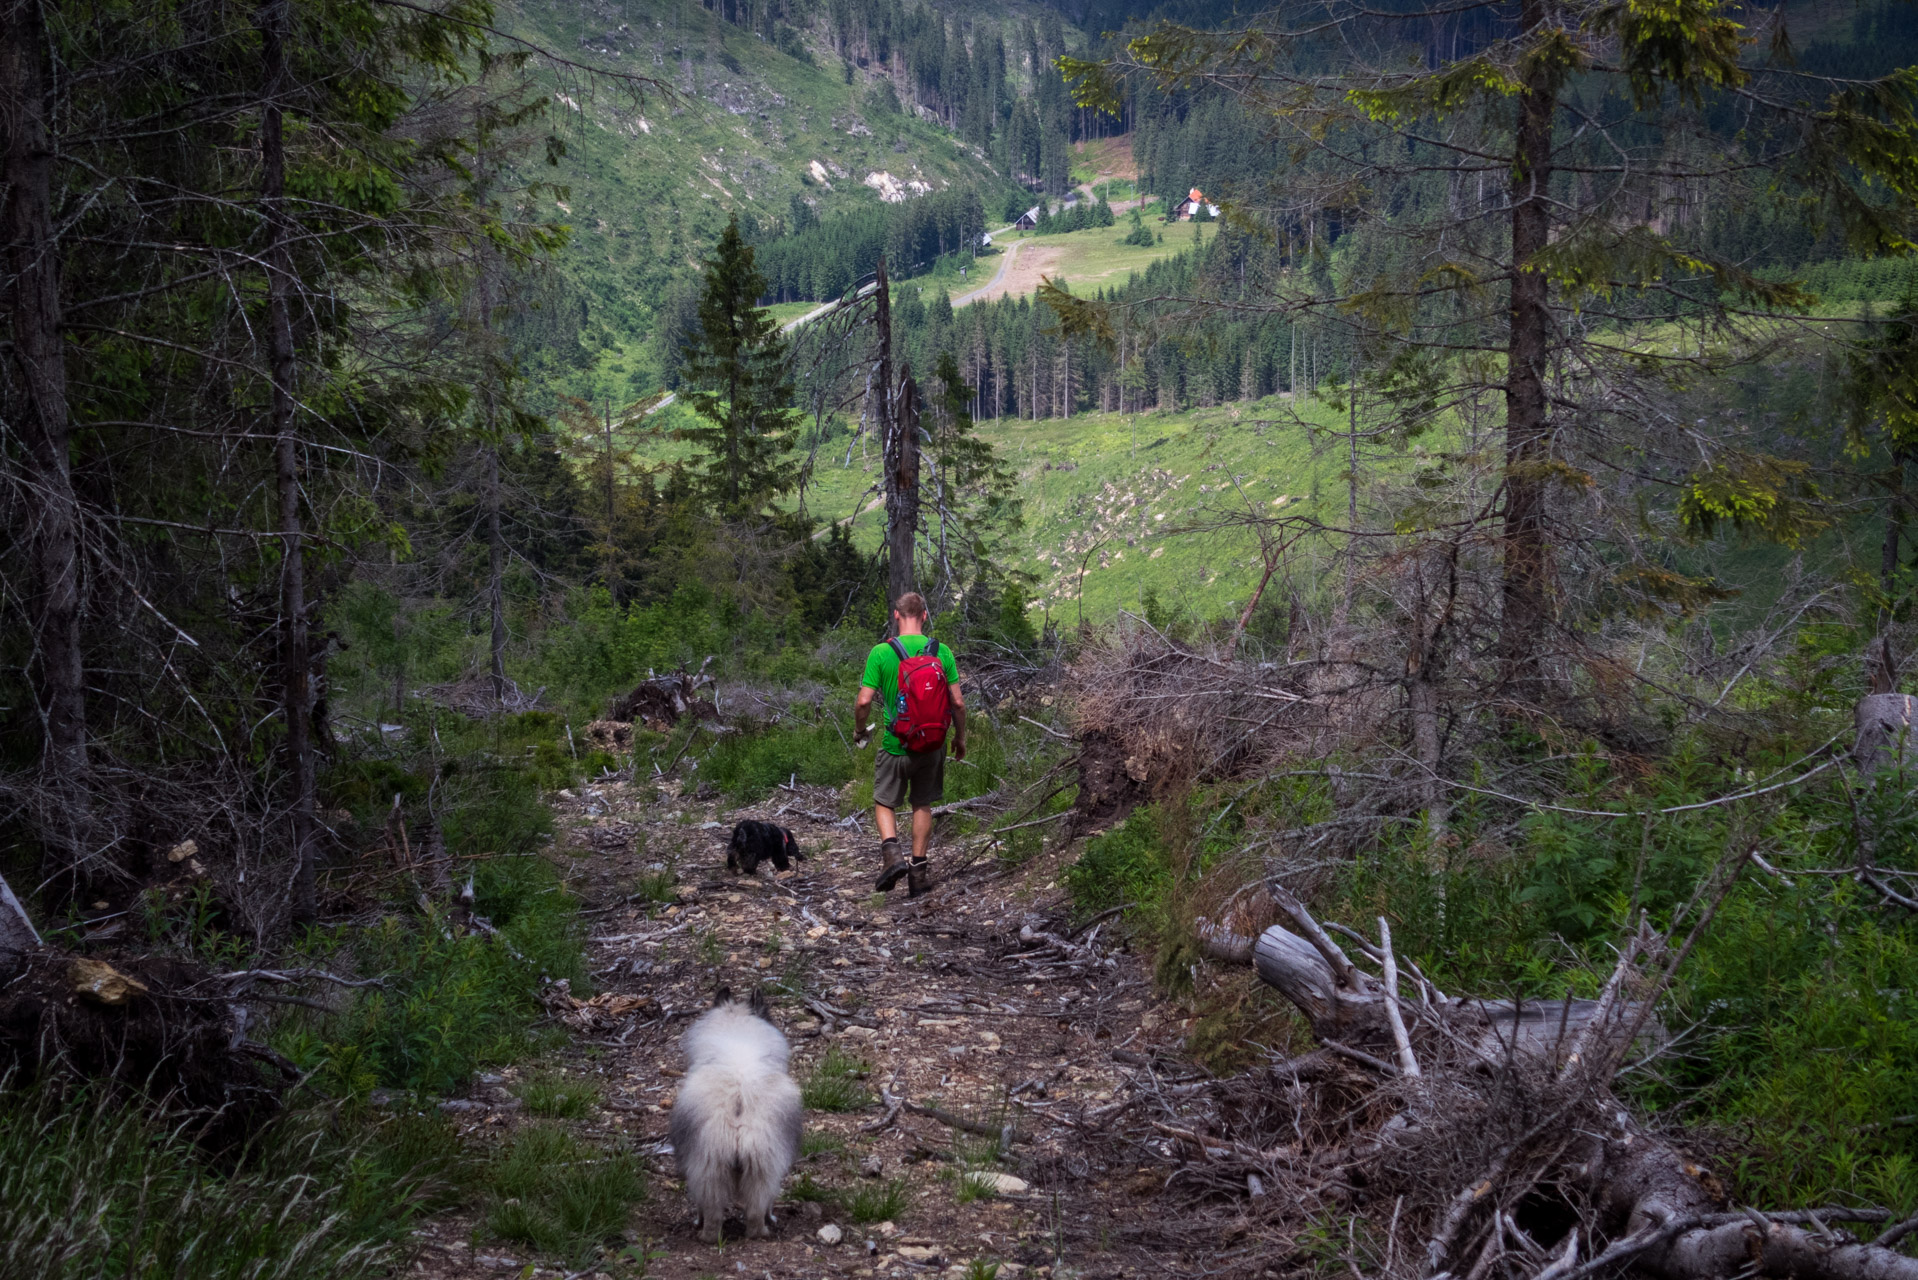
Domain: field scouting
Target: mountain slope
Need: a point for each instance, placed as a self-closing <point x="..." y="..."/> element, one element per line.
<point x="746" y="129"/>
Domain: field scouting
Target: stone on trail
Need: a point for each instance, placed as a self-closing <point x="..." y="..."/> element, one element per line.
<point x="830" y="1234"/>
<point x="1000" y="1184"/>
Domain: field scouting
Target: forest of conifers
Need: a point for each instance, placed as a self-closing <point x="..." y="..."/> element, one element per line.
<point x="1499" y="863"/>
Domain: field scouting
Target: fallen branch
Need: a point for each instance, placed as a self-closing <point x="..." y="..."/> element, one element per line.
<point x="944" y="1117"/>
<point x="1408" y="1064"/>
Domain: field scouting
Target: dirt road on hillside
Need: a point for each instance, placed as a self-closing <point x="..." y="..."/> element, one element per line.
<point x="1025" y="266"/>
<point x="941" y="998"/>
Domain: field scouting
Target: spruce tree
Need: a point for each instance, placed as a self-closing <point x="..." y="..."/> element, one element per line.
<point x="737" y="362"/>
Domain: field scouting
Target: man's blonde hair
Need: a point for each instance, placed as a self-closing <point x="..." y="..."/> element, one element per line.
<point x="910" y="605"/>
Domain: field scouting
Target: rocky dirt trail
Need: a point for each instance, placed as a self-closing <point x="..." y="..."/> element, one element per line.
<point x="971" y="1025"/>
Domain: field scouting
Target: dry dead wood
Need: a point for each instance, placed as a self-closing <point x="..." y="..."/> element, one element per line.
<point x="663" y="701"/>
<point x="1491" y="1108"/>
<point x="17" y="934"/>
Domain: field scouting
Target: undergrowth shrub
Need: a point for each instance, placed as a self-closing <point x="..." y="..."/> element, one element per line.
<point x="1128" y="864"/>
<point x="452" y="1001"/>
<point x="748" y="765"/>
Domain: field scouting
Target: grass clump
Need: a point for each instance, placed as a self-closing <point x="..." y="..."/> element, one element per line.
<point x="818" y="1143"/>
<point x="656" y="887"/>
<point x="834" y="1084"/>
<point x="93" y="1187"/>
<point x="558" y="1096"/>
<point x="972" y="1187"/>
<point x="806" y="1188"/>
<point x="560" y="1195"/>
<point x="877" y="1201"/>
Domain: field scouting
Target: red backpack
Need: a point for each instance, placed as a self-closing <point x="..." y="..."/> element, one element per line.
<point x="925" y="706"/>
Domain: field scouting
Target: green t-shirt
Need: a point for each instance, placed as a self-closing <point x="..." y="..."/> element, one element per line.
<point x="882" y="673"/>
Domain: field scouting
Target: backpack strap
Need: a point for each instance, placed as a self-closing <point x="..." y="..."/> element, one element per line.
<point x="932" y="647"/>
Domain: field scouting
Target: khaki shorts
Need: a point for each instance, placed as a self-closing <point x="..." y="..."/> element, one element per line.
<point x="921" y="775"/>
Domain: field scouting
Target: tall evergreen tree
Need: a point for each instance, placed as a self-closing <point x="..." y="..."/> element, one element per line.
<point x="737" y="361"/>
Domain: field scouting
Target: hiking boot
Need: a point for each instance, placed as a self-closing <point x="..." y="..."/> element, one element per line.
<point x="918" y="878"/>
<point x="895" y="866"/>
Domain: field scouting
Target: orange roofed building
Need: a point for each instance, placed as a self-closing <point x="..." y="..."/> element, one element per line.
<point x="1188" y="209"/>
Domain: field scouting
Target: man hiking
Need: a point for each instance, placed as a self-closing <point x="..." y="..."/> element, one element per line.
<point x="915" y="681"/>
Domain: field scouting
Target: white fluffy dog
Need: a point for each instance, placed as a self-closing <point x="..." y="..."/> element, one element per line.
<point x="735" y="1123"/>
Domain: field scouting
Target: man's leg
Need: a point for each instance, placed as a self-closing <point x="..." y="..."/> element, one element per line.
<point x="888" y="781"/>
<point x="928" y="789"/>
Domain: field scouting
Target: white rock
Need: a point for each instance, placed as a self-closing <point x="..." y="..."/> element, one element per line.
<point x="1000" y="1184"/>
<point x="830" y="1234"/>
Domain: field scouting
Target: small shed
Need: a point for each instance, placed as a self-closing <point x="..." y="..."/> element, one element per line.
<point x="1029" y="219"/>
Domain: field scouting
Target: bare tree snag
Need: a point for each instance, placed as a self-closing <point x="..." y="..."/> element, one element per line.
<point x="39" y="412"/>
<point x="902" y="489"/>
<point x="1884" y="724"/>
<point x="296" y="696"/>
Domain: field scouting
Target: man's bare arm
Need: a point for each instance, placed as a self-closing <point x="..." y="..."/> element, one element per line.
<point x="958" y="721"/>
<point x="861" y="708"/>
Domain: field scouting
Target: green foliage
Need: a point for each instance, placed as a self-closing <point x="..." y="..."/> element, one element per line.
<point x="748" y="765"/>
<point x="821" y="262"/>
<point x="1079" y="217"/>
<point x="452" y="1002"/>
<point x="561" y="1195"/>
<point x="556" y="1095"/>
<point x="1140" y="234"/>
<point x="737" y="362"/>
<point x="969" y="1188"/>
<point x="1126" y="865"/>
<point x="835" y="1084"/>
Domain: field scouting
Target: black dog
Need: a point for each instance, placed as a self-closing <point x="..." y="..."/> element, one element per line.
<point x="753" y="841"/>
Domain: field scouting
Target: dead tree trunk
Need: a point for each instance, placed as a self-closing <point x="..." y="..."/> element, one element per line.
<point x="1424" y="660"/>
<point x="39" y="412"/>
<point x="902" y="489"/>
<point x="296" y="702"/>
